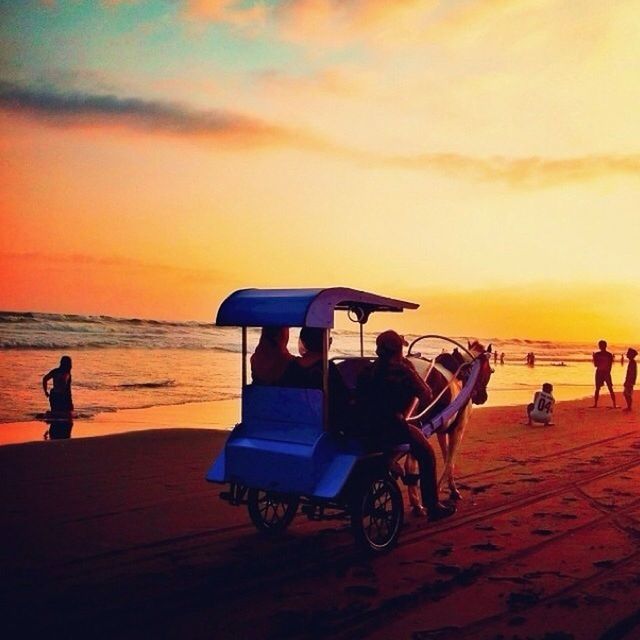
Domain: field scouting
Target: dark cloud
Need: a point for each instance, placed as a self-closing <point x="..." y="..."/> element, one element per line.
<point x="77" y="108"/>
<point x="231" y="129"/>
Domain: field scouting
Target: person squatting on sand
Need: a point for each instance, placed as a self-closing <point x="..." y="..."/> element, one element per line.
<point x="384" y="393"/>
<point x="602" y="361"/>
<point x="60" y="399"/>
<point x="630" y="378"/>
<point x="541" y="409"/>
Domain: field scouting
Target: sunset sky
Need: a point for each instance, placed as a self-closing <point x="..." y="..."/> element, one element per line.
<point x="481" y="157"/>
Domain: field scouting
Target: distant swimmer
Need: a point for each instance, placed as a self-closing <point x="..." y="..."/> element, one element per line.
<point x="59" y="396"/>
<point x="602" y="361"/>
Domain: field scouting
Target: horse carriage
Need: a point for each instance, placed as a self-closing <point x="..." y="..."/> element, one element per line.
<point x="285" y="456"/>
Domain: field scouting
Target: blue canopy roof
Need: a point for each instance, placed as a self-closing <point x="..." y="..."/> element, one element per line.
<point x="300" y="307"/>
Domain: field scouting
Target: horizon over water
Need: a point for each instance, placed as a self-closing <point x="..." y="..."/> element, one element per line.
<point x="121" y="363"/>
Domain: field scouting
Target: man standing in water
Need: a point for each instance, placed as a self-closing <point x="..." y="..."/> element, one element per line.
<point x="602" y="361"/>
<point x="60" y="394"/>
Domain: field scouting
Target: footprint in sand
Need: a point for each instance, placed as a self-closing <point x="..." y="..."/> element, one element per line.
<point x="542" y="532"/>
<point x="484" y="527"/>
<point x="362" y="590"/>
<point x="434" y="634"/>
<point x="523" y="599"/>
<point x="481" y="488"/>
<point x="448" y="569"/>
<point x="604" y="564"/>
<point x="486" y="546"/>
<point x="443" y="552"/>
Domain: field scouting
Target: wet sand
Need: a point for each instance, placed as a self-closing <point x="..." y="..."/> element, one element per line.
<point x="219" y="415"/>
<point x="120" y="537"/>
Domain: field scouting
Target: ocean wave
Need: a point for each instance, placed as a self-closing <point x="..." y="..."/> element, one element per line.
<point x="61" y="345"/>
<point x="154" y="384"/>
<point x="39" y="317"/>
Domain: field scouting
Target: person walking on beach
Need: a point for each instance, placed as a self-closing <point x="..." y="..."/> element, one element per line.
<point x="630" y="378"/>
<point x="541" y="409"/>
<point x="385" y="392"/>
<point x="60" y="394"/>
<point x="603" y="361"/>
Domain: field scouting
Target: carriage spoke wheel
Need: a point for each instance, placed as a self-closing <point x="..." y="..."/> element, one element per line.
<point x="377" y="514"/>
<point x="271" y="512"/>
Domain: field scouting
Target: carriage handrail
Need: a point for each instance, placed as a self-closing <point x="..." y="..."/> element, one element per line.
<point x="435" y="335"/>
<point x="462" y="398"/>
<point x="442" y="391"/>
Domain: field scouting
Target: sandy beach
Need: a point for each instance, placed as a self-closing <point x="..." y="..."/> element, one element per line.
<point x="120" y="537"/>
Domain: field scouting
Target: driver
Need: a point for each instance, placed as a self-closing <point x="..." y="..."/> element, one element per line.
<point x="385" y="393"/>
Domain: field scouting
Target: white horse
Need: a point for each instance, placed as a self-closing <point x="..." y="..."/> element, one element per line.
<point x="446" y="376"/>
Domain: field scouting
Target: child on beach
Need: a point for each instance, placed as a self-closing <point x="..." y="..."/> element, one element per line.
<point x="541" y="409"/>
<point x="630" y="378"/>
<point x="60" y="394"/>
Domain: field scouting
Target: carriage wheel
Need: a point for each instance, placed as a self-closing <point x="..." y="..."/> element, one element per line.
<point x="377" y="513"/>
<point x="271" y="512"/>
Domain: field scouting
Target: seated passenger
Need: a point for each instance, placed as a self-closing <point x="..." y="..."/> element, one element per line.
<point x="385" y="392"/>
<point x="271" y="357"/>
<point x="306" y="372"/>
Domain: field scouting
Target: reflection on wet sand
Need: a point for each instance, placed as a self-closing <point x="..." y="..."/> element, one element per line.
<point x="59" y="429"/>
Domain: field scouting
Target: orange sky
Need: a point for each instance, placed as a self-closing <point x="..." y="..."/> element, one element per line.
<point x="479" y="157"/>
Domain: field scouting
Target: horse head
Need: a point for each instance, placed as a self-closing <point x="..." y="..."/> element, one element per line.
<point x="479" y="352"/>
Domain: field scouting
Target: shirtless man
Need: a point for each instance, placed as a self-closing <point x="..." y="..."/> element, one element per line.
<point x="602" y="361"/>
<point x="60" y="394"/>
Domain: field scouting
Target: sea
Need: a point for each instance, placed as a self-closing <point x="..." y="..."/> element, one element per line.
<point x="127" y="363"/>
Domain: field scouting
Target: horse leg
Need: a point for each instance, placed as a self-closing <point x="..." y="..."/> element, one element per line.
<point x="456" y="432"/>
<point x="443" y="441"/>
<point x="411" y="476"/>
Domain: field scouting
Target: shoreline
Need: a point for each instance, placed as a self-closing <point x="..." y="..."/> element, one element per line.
<point x="217" y="415"/>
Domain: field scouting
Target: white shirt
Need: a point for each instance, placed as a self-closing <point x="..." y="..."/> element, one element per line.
<point x="542" y="407"/>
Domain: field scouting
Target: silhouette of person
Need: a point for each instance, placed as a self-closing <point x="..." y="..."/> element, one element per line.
<point x="271" y="357"/>
<point x="501" y="358"/>
<point x="59" y="429"/>
<point x="60" y="394"/>
<point x="385" y="392"/>
<point x="630" y="378"/>
<point x="307" y="372"/>
<point x="602" y="361"/>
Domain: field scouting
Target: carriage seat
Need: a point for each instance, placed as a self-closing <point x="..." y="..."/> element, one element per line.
<point x="351" y="368"/>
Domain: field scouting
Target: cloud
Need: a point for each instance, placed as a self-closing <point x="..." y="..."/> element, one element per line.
<point x="333" y="22"/>
<point x="234" y="130"/>
<point x="523" y="172"/>
<point x="149" y="116"/>
<point x="233" y="12"/>
<point x="118" y="263"/>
